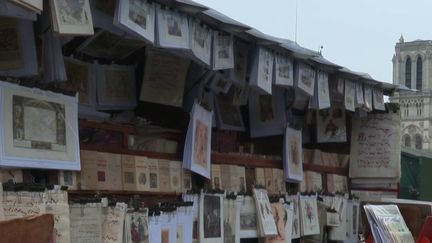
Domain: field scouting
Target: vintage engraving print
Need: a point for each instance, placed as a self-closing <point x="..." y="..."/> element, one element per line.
<point x="38" y="124"/>
<point x="212" y="217"/>
<point x="72" y="12"/>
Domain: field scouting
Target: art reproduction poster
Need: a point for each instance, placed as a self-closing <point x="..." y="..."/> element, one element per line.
<point x="349" y="95"/>
<point x="164" y="78"/>
<point x="261" y="76"/>
<point x="309" y="215"/>
<point x="294" y="200"/>
<point x="283" y="72"/>
<point x="293" y="157"/>
<point x="241" y="58"/>
<point x="172" y="29"/>
<point x="40" y="128"/>
<point x="137" y="17"/>
<point x="266" y="224"/>
<point x="228" y="116"/>
<point x="211" y="218"/>
<point x="200" y="41"/>
<point x="223" y="50"/>
<point x="137" y="227"/>
<point x="248" y="220"/>
<point x="331" y="127"/>
<point x="267" y="113"/>
<point x="375" y="146"/>
<point x="304" y="78"/>
<point x="115" y="87"/>
<point x="378" y="99"/>
<point x="72" y="17"/>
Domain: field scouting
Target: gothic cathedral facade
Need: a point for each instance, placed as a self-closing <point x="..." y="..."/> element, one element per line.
<point x="412" y="67"/>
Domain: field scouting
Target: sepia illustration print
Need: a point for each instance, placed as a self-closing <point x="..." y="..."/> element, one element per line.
<point x="38" y="124"/>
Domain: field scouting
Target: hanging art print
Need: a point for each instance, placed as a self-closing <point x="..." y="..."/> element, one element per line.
<point x="211" y="212"/>
<point x="172" y="29"/>
<point x="304" y="78"/>
<point x="293" y="157"/>
<point x="331" y="127"/>
<point x="223" y="51"/>
<point x="309" y="215"/>
<point x="72" y="17"/>
<point x="200" y="41"/>
<point x="378" y="99"/>
<point x="241" y="57"/>
<point x="137" y="17"/>
<point x="261" y="75"/>
<point x="283" y="70"/>
<point x="349" y="95"/>
<point x="39" y="129"/>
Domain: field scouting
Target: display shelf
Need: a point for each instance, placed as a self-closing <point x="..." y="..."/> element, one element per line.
<point x="141" y="193"/>
<point x="245" y="160"/>
<point x="117" y="150"/>
<point x="325" y="169"/>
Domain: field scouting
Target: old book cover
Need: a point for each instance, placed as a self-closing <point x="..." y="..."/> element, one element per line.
<point x="164" y="175"/>
<point x="186" y="180"/>
<point x="216" y="176"/>
<point x="68" y="178"/>
<point x="142" y="175"/>
<point x="88" y="170"/>
<point x="128" y="173"/>
<point x="241" y="173"/>
<point x="268" y="174"/>
<point x="109" y="171"/>
<point x="175" y="176"/>
<point x="154" y="174"/>
<point x="259" y="177"/>
<point x="226" y="177"/>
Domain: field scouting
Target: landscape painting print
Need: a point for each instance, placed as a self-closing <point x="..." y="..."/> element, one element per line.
<point x="73" y="16"/>
<point x="293" y="157"/>
<point x="331" y="127"/>
<point x="39" y="129"/>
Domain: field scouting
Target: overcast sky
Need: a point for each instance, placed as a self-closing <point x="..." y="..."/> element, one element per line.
<point x="360" y="35"/>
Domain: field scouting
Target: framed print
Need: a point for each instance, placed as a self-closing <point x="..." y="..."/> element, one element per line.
<point x="349" y="95"/>
<point x="108" y="45"/>
<point x="164" y="78"/>
<point x="261" y="75"/>
<point x="211" y="212"/>
<point x="331" y="126"/>
<point x="309" y="215"/>
<point x="220" y="84"/>
<point x="241" y="60"/>
<point x="359" y="97"/>
<point x="304" y="78"/>
<point x="200" y="41"/>
<point x="378" y="99"/>
<point x="137" y="17"/>
<point x="368" y="97"/>
<point x="172" y="29"/>
<point x="248" y="222"/>
<point x="115" y="87"/>
<point x="72" y="17"/>
<point x="375" y="146"/>
<point x="81" y="78"/>
<point x="267" y="114"/>
<point x="39" y="129"/>
<point x="283" y="72"/>
<point x="223" y="50"/>
<point x="266" y="224"/>
<point x="18" y="51"/>
<point x="323" y="91"/>
<point x="292" y="154"/>
<point x="228" y="115"/>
